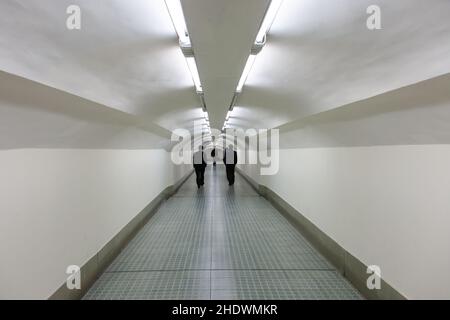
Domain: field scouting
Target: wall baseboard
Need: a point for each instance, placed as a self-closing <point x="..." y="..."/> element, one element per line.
<point x="348" y="265"/>
<point x="92" y="269"/>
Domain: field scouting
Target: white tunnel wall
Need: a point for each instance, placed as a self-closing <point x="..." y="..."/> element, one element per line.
<point x="60" y="207"/>
<point x="73" y="173"/>
<point x="387" y="206"/>
<point x="387" y="203"/>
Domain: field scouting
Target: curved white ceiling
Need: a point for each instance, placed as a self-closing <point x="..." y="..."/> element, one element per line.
<point x="222" y="34"/>
<point x="125" y="56"/>
<point x="319" y="55"/>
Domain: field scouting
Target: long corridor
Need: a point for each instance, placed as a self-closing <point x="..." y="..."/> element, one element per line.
<point x="219" y="242"/>
<point x="339" y="110"/>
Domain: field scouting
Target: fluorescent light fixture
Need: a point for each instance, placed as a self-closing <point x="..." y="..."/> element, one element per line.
<point x="194" y="72"/>
<point x="268" y="20"/>
<point x="177" y="16"/>
<point x="248" y="67"/>
<point x="176" y="13"/>
<point x="269" y="17"/>
<point x="228" y="116"/>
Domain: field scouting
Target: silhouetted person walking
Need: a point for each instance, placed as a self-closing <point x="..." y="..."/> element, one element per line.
<point x="230" y="160"/>
<point x="213" y="155"/>
<point x="199" y="166"/>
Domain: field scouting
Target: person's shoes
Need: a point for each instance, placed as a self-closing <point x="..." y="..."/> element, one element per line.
<point x="198" y="186"/>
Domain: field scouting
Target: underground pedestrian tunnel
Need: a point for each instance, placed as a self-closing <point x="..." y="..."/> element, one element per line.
<point x="339" y="112"/>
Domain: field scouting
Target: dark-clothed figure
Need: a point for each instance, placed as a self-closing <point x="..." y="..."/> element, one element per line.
<point x="199" y="166"/>
<point x="213" y="155"/>
<point x="230" y="160"/>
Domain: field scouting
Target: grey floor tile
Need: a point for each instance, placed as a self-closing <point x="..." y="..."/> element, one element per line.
<point x="219" y="242"/>
<point x="151" y="285"/>
<point x="281" y="284"/>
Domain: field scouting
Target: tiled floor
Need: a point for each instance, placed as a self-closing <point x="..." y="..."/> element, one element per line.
<point x="219" y="242"/>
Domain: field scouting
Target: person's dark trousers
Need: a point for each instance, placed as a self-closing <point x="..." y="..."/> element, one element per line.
<point x="203" y="175"/>
<point x="199" y="172"/>
<point x="230" y="174"/>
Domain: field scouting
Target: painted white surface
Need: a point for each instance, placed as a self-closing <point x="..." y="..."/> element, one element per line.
<point x="126" y="61"/>
<point x="72" y="173"/>
<point x="374" y="176"/>
<point x="320" y="55"/>
<point x="33" y="115"/>
<point x="222" y="33"/>
<point x="386" y="205"/>
<point x="59" y="207"/>
<point x="414" y="115"/>
<point x="126" y="55"/>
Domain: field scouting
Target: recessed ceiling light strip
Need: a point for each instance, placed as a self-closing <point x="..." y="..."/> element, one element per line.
<point x="269" y="17"/>
<point x="176" y="14"/>
<point x="245" y="73"/>
<point x="194" y="72"/>
<point x="259" y="43"/>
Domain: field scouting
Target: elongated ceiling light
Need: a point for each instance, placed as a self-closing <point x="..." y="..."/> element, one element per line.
<point x="179" y="23"/>
<point x="245" y="73"/>
<point x="260" y="41"/>
<point x="268" y="20"/>
<point x="176" y="13"/>
<point x="194" y="72"/>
